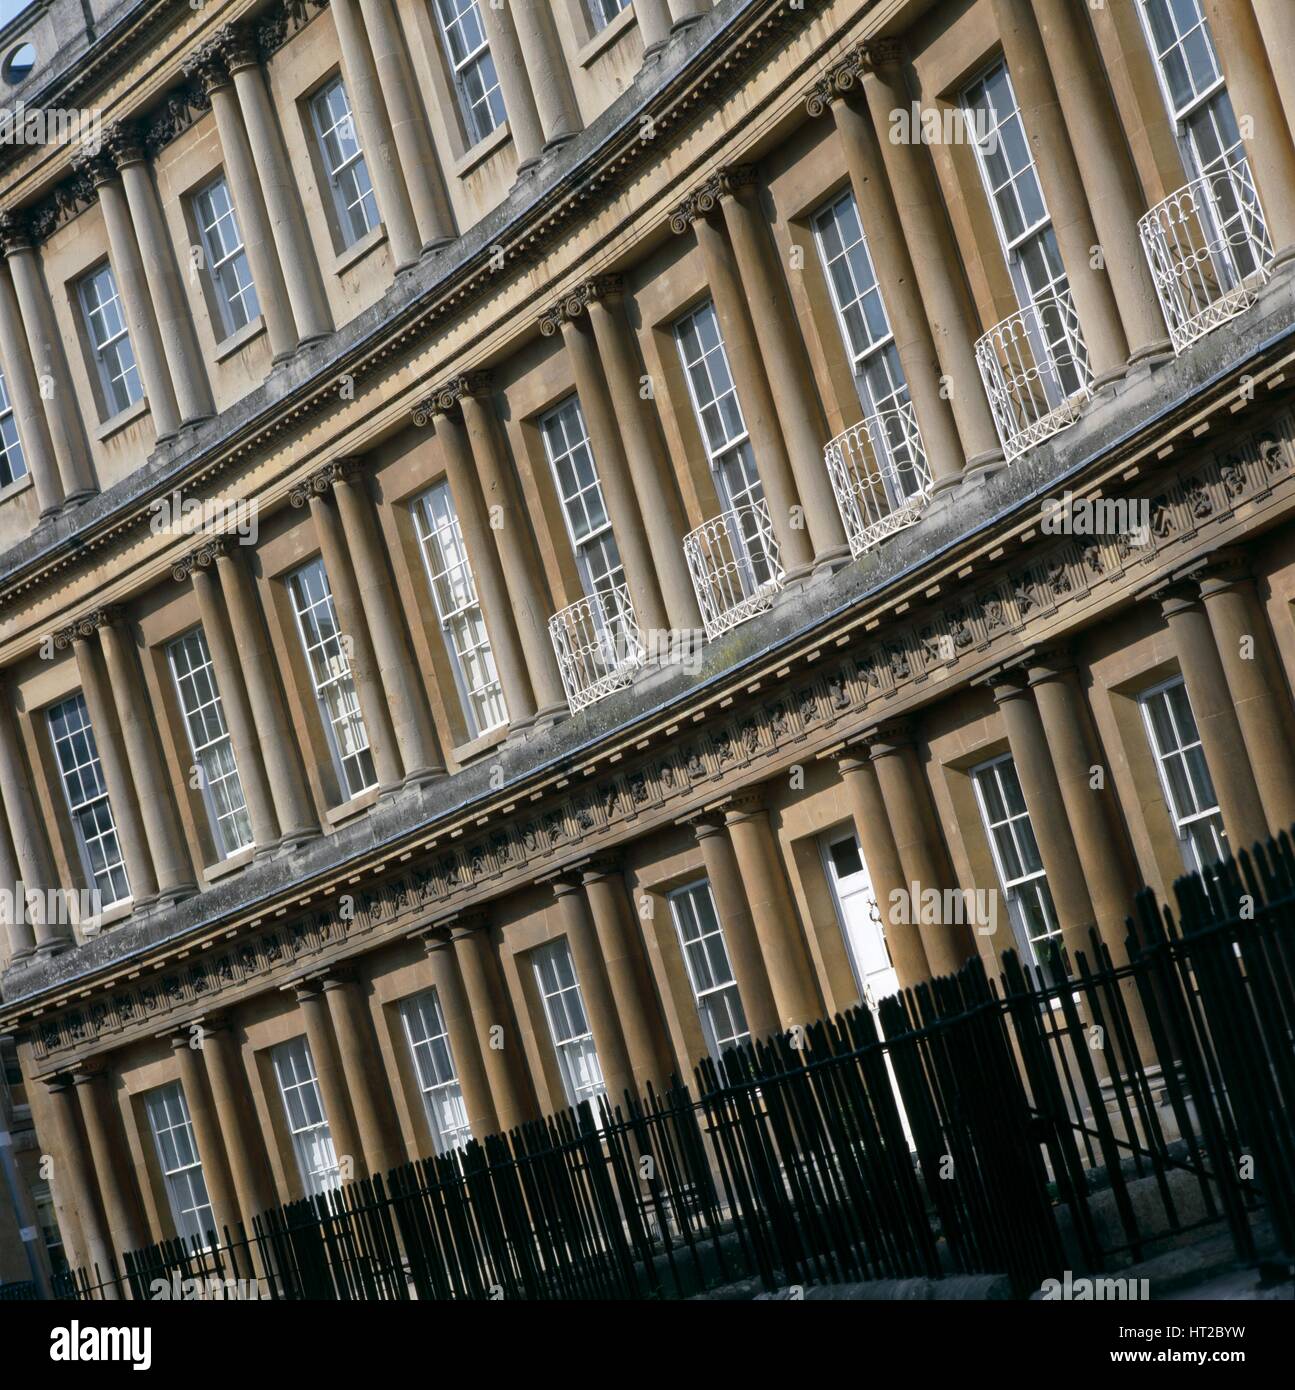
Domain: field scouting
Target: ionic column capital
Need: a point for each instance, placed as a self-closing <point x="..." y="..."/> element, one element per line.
<point x="82" y="629"/>
<point x="324" y="479"/>
<point x="838" y="79"/>
<point x="705" y="199"/>
<point x="203" y="556"/>
<point x="444" y="398"/>
<point x="577" y="299"/>
<point x="881" y="53"/>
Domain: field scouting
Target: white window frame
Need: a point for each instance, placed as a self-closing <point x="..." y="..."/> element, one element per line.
<point x="210" y="742"/>
<point x="428" y="1038"/>
<point x="458" y="610"/>
<point x="568" y="1023"/>
<point x="485" y="113"/>
<point x="176" y="1146"/>
<point x="355" y="165"/>
<point x="1186" y="822"/>
<point x="312" y="1140"/>
<point x="13" y="461"/>
<point x="598" y="558"/>
<point x="714" y="993"/>
<point x="228" y="270"/>
<point x="85" y="793"/>
<point x="119" y="380"/>
<point x="602" y="12"/>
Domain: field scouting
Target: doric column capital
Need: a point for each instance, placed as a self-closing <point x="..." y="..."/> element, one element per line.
<point x="602" y="866"/>
<point x="704" y="199"/>
<point x="464" y="923"/>
<point x="324" y="479"/>
<point x="15" y="232"/>
<point x="82" y="629"/>
<point x="744" y="805"/>
<point x="336" y="977"/>
<point x="887" y="737"/>
<point x="1218" y="570"/>
<point x="124" y="142"/>
<point x="840" y="77"/>
<point x="204" y="555"/>
<point x="443" y="398"/>
<point x="1049" y="662"/>
<point x="303" y="991"/>
<point x="1174" y="593"/>
<point x="577" y="299"/>
<point x="431" y="939"/>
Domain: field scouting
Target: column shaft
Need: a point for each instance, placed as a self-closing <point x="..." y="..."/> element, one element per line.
<point x="492" y="1020"/>
<point x="207" y="1132"/>
<point x="515" y="83"/>
<point x="366" y="1076"/>
<point x="13" y="917"/>
<point x="74" y="1178"/>
<point x="111" y="1162"/>
<point x="29" y="836"/>
<point x="466" y="1046"/>
<point x="332" y="1082"/>
<point x="1277" y="26"/>
<point x="683" y="12"/>
<point x="232" y="1098"/>
<point x="546" y="66"/>
<point x="24" y="392"/>
<point x="653" y="18"/>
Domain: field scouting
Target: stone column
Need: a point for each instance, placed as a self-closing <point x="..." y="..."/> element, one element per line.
<point x="1277" y="28"/>
<point x="374" y="133"/>
<point x="795" y="398"/>
<point x="112" y="758"/>
<point x="232" y="1099"/>
<point x="275" y="740"/>
<point x="487" y="573"/>
<point x="613" y="470"/>
<point x="411" y="716"/>
<point x="1043" y="801"/>
<point x="465" y="1036"/>
<point x="917" y="838"/>
<point x="110" y="1160"/>
<point x="640" y="434"/>
<point x="514" y="83"/>
<point x="885" y="872"/>
<point x="1110" y="181"/>
<point x="137" y="306"/>
<point x="13" y="916"/>
<point x="620" y="944"/>
<point x="546" y="64"/>
<point x="350" y="619"/>
<point x="1253" y="673"/>
<point x="206" y="1128"/>
<point x="24" y="395"/>
<point x="1269" y="150"/>
<point x="893" y="266"/>
<point x="296" y="254"/>
<point x="75" y="1180"/>
<point x="170" y="308"/>
<point x="613" y="1058"/>
<point x="512" y="535"/>
<point x="934" y="254"/>
<point x="1027" y="64"/>
<point x="161" y="824"/>
<point x="653" y="17"/>
<point x="208" y="67"/>
<point x="332" y="1083"/>
<point x="28" y="835"/>
<point x="734" y="915"/>
<point x="45" y="342"/>
<point x="1215" y="714"/>
<point x="365" y="1074"/>
<point x="771" y="459"/>
<point x="492" y="1020"/>
<point x="234" y="700"/>
<point x="685" y="12"/>
<point x="759" y="861"/>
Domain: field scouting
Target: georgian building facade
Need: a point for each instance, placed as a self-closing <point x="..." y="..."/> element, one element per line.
<point x="522" y="527"/>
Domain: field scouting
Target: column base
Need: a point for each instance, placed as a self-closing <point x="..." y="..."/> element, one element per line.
<point x="557" y="142"/>
<point x="1110" y="378"/>
<point x="1283" y="258"/>
<point x="421" y="776"/>
<point x="1161" y="350"/>
<point x="45" y="949"/>
<point x="431" y="248"/>
<point x="293" y="839"/>
<point x="548" y="716"/>
<point x="829" y="561"/>
<point x="75" y="499"/>
<point x="176" y="895"/>
<point x="940" y="486"/>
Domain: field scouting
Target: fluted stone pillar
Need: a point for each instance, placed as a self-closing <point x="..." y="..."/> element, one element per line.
<point x="375" y="136"/>
<point x="276" y="742"/>
<point x="111" y="1161"/>
<point x="653" y="17"/>
<point x="206" y="1129"/>
<point x="28" y="836"/>
<point x="137" y="305"/>
<point x="515" y="84"/>
<point x="487" y="572"/>
<point x="365" y="1074"/>
<point x="786" y="957"/>
<point x="74" y="1178"/>
<point x="232" y="1099"/>
<point x="1253" y="673"/>
<point x="893" y="265"/>
<point x="1253" y="92"/>
<point x="296" y="252"/>
<point x="511" y="531"/>
<point x="885" y="872"/>
<point x="934" y="253"/>
<point x="794" y="543"/>
<point x="640" y="433"/>
<point x="45" y="343"/>
<point x="113" y="760"/>
<point x="236" y="705"/>
<point x="795" y="398"/>
<point x="546" y="64"/>
<point x="467" y="1039"/>
<point x="212" y="73"/>
<point x="332" y="1081"/>
<point x="1215" y="714"/>
<point x="609" y="1041"/>
<point x="620" y="945"/>
<point x="613" y="470"/>
<point x="492" y="1018"/>
<point x="170" y="308"/>
<point x="350" y="619"/>
<point x="1063" y="189"/>
<point x="1277" y="28"/>
<point x="1110" y="181"/>
<point x="166" y="844"/>
<point x="411" y="716"/>
<point x="24" y="395"/>
<point x="734" y="913"/>
<point x="917" y="838"/>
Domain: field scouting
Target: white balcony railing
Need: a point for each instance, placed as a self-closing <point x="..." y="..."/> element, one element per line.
<point x="733" y="560"/>
<point x="880" y="476"/>
<point x="598" y="645"/>
<point x="1209" y="251"/>
<point x="1035" y="369"/>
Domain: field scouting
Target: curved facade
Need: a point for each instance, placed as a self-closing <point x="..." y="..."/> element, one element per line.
<point x="537" y="542"/>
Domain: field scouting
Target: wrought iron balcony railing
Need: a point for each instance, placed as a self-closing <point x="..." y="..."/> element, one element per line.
<point x="1034" y="366"/>
<point x="1209" y="251"/>
<point x="880" y="476"/>
<point x="598" y="645"/>
<point x="733" y="560"/>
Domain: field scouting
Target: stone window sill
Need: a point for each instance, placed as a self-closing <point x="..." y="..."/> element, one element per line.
<point x="93" y="926"/>
<point x="474" y="748"/>
<point x="14" y="488"/>
<point x="122" y="419"/>
<point x="357" y="251"/>
<point x="348" y="810"/>
<point x="227" y="347"/>
<point x="481" y="151"/>
<point x="605" y="37"/>
<point x="228" y="866"/>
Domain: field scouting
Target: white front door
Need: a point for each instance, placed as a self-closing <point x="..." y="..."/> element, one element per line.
<point x="859" y="916"/>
